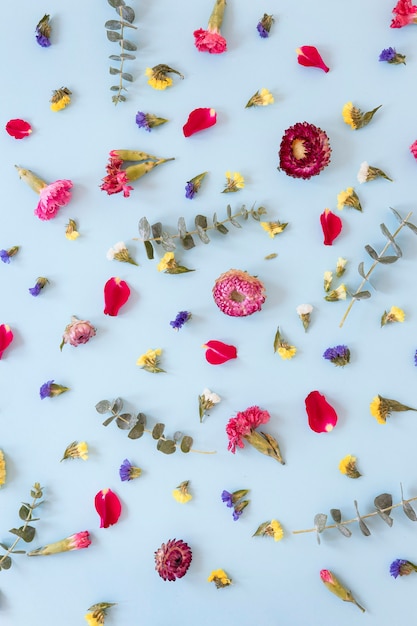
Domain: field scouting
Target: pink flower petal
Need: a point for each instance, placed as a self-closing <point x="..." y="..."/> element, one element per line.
<point x="322" y="417"/>
<point x="108" y="506"/>
<point x="219" y="352"/>
<point x="116" y="294"/>
<point x="18" y="128"/>
<point x="199" y="119"/>
<point x="6" y="338"/>
<point x="309" y="57"/>
<point x="331" y="225"/>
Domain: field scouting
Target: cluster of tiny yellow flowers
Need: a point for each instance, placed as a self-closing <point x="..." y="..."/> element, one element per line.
<point x="181" y="493"/>
<point x="161" y="81"/>
<point x="76" y="450"/>
<point x="273" y="228"/>
<point x="71" y="231"/>
<point x="234" y="182"/>
<point x="60" y="99"/>
<point x="349" y="198"/>
<point x="347" y="466"/>
<point x="219" y="578"/>
<point x="167" y="262"/>
<point x="261" y="98"/>
<point x="150" y="361"/>
<point x="2" y="469"/>
<point x="379" y="410"/>
<point x="395" y="314"/>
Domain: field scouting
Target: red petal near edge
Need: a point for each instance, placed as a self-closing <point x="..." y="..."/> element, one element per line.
<point x="322" y="417"/>
<point x="108" y="506"/>
<point x="116" y="294"/>
<point x="6" y="338"/>
<point x="331" y="225"/>
<point x="199" y="119"/>
<point x="219" y="352"/>
<point x="310" y="57"/>
<point x="18" y="128"/>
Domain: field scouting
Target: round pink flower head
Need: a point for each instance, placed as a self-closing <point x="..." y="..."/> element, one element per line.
<point x="237" y="293"/>
<point x="52" y="198"/>
<point x="78" y="332"/>
<point x="243" y="424"/>
<point x="304" y="151"/>
<point x="173" y="559"/>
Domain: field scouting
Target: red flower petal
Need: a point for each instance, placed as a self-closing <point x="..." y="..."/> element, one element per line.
<point x="108" y="506"/>
<point x="18" y="128"/>
<point x="331" y="225"/>
<point x="6" y="338"/>
<point x="322" y="417"/>
<point x="116" y="294"/>
<point x="199" y="119"/>
<point x="309" y="57"/>
<point x="219" y="352"/>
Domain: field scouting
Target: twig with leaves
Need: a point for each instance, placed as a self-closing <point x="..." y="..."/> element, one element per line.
<point x="383" y="507"/>
<point x="136" y="425"/>
<point x="25" y="532"/>
<point x="382" y="257"/>
<point x="126" y="16"/>
<point x="155" y="234"/>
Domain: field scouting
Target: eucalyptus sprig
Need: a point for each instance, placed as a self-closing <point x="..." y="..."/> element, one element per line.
<point x="136" y="425"/>
<point x="154" y="234"/>
<point x="382" y="257"/>
<point x="383" y="507"/>
<point x="126" y="16"/>
<point x="25" y="532"/>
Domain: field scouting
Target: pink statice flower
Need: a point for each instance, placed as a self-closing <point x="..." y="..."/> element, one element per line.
<point x="116" y="179"/>
<point x="211" y="40"/>
<point x="413" y="149"/>
<point x="405" y="13"/>
<point x="243" y="424"/>
<point x="78" y="332"/>
<point x="52" y="198"/>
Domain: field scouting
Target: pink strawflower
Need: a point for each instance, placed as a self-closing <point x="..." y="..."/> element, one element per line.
<point x="209" y="41"/>
<point x="237" y="293"/>
<point x="52" y="198"/>
<point x="304" y="151"/>
<point x="413" y="149"/>
<point x="116" y="179"/>
<point x="78" y="332"/>
<point x="405" y="13"/>
<point x="173" y="559"/>
<point x="243" y="424"/>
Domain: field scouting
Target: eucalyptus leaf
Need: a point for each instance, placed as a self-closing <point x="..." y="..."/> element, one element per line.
<point x="117" y="405"/>
<point x="229" y="211"/>
<point x="167" y="242"/>
<point x="201" y="220"/>
<point x="114" y="70"/>
<point x="372" y="253"/>
<point x="128" y="45"/>
<point x="115" y="57"/>
<point x="235" y="223"/>
<point x="128" y="14"/>
<point x="167" y="446"/>
<point x="221" y="228"/>
<point x="411" y="227"/>
<point x="116" y="3"/>
<point x="391" y="239"/>
<point x="361" y="295"/>
<point x="3" y="545"/>
<point x="103" y="406"/>
<point x="320" y="522"/>
<point x="215" y="222"/>
<point x="386" y="260"/>
<point x="382" y="503"/>
<point x="186" y="443"/>
<point x="113" y="25"/>
<point x="188" y="242"/>
<point x="397" y="215"/>
<point x="124" y="421"/>
<point x="127" y="56"/>
<point x="158" y="430"/>
<point x="182" y="228"/>
<point x="363" y="527"/>
<point x="25" y="512"/>
<point x="6" y="562"/>
<point x="156" y="231"/>
<point x="115" y="88"/>
<point x="109" y="420"/>
<point x="112" y="35"/>
<point x="409" y="511"/>
<point x="361" y="270"/>
<point x="144" y="228"/>
<point x="149" y="249"/>
<point x="177" y="435"/>
<point x="137" y="431"/>
<point x="127" y="76"/>
<point x="202" y="234"/>
<point x="336" y="515"/>
<point x="27" y="534"/>
<point x="244" y="212"/>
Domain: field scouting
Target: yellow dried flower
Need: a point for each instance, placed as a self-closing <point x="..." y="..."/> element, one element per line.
<point x="354" y="116"/>
<point x="337" y="294"/>
<point x="327" y="280"/>
<point x="347" y="466"/>
<point x="274" y="228"/>
<point x="158" y="76"/>
<point x="234" y="182"/>
<point x="150" y="361"/>
<point x="261" y="98"/>
<point x="71" y="231"/>
<point x="181" y="493"/>
<point x="60" y="99"/>
<point x="395" y="314"/>
<point x="219" y="578"/>
<point x="76" y="450"/>
<point x="2" y="468"/>
<point x="350" y="198"/>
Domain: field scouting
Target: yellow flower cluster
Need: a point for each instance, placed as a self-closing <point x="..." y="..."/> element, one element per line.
<point x="158" y="81"/>
<point x="234" y="182"/>
<point x="76" y="450"/>
<point x="273" y="228"/>
<point x="219" y="578"/>
<point x="395" y="314"/>
<point x="150" y="361"/>
<point x="261" y="98"/>
<point x="350" y="198"/>
<point x="287" y="352"/>
<point x="71" y="232"/>
<point x="181" y="493"/>
<point x="2" y="469"/>
<point x="347" y="466"/>
<point x="60" y="99"/>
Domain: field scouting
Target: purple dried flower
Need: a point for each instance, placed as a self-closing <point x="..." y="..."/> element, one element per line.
<point x="45" y="390"/>
<point x="401" y="567"/>
<point x="415" y="358"/>
<point x="264" y="25"/>
<point x="339" y="355"/>
<point x="127" y="471"/>
<point x="142" y="121"/>
<point x="39" y="285"/>
<point x="4" y="256"/>
<point x="43" y="32"/>
<point x="190" y="190"/>
<point x="181" y="318"/>
<point x="390" y="55"/>
<point x="227" y="497"/>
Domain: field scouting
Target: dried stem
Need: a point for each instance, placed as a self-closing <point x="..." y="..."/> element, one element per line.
<point x="11" y="548"/>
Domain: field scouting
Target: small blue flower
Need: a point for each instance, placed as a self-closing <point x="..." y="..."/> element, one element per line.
<point x="401" y="567"/>
<point x="182" y="317"/>
<point x="261" y="30"/>
<point x="45" y="390"/>
<point x="388" y="54"/>
<point x="236" y="514"/>
<point x="127" y="471"/>
<point x="190" y="190"/>
<point x="39" y="285"/>
<point x="415" y="358"/>
<point x="42" y="40"/>
<point x="339" y="355"/>
<point x="4" y="256"/>
<point x="227" y="497"/>
<point x="142" y="121"/>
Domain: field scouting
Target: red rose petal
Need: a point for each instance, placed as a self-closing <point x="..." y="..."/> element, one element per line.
<point x="309" y="57"/>
<point x="219" y="352"/>
<point x="18" y="128"/>
<point x="322" y="417"/>
<point x="331" y="225"/>
<point x="199" y="119"/>
<point x="116" y="294"/>
<point x="108" y="506"/>
<point x="6" y="338"/>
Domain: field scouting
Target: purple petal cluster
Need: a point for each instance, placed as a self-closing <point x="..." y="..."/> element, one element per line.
<point x="125" y="470"/>
<point x="227" y="498"/>
<point x="45" y="390"/>
<point x="190" y="190"/>
<point x="35" y="291"/>
<point x="401" y="567"/>
<point x="415" y="358"/>
<point x="142" y="121"/>
<point x="181" y="318"/>
<point x="388" y="54"/>
<point x="42" y="40"/>
<point x="339" y="355"/>
<point x="4" y="256"/>
<point x="262" y="31"/>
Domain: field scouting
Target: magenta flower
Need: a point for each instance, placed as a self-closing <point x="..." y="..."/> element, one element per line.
<point x="52" y="198"/>
<point x="78" y="332"/>
<point x="173" y="559"/>
<point x="405" y="13"/>
<point x="78" y="541"/>
<point x="331" y="225"/>
<point x="211" y="40"/>
<point x="198" y="120"/>
<point x="413" y="149"/>
<point x="6" y="338"/>
<point x="238" y="294"/>
<point x="243" y="424"/>
<point x="309" y="57"/>
<point x="304" y="151"/>
<point x="108" y="507"/>
<point x="116" y="179"/>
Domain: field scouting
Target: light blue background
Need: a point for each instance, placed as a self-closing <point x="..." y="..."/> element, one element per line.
<point x="274" y="583"/>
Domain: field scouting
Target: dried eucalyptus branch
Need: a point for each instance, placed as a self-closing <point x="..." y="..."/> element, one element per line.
<point x="136" y="426"/>
<point x="383" y="507"/>
<point x="126" y="17"/>
<point x="25" y="532"/>
<point x="154" y="233"/>
<point x="379" y="258"/>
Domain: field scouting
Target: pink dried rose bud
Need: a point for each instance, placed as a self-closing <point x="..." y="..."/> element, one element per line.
<point x="309" y="57"/>
<point x="238" y="294"/>
<point x="108" y="506"/>
<point x="211" y="40"/>
<point x="78" y="332"/>
<point x="173" y="559"/>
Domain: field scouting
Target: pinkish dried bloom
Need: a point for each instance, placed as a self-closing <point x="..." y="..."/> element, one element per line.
<point x="78" y="332"/>
<point x="207" y="41"/>
<point x="237" y="293"/>
<point x="52" y="198"/>
<point x="405" y="13"/>
<point x="173" y="559"/>
<point x="413" y="149"/>
<point x="243" y="424"/>
<point x="116" y="179"/>
<point x="304" y="151"/>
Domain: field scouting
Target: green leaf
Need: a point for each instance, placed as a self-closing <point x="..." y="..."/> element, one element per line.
<point x="202" y="234"/>
<point x="127" y="76"/>
<point x="158" y="430"/>
<point x="320" y="523"/>
<point x="144" y="228"/>
<point x="128" y="45"/>
<point x="244" y="212"/>
<point x="157" y="231"/>
<point x="186" y="443"/>
<point x="124" y="421"/>
<point x="114" y="70"/>
<point x="128" y="14"/>
<point x="27" y="534"/>
<point x="386" y="260"/>
<point x="372" y="253"/>
<point x="361" y="270"/>
<point x="235" y="223"/>
<point x="177" y="436"/>
<point x="337" y="518"/>
<point x="391" y="239"/>
<point x="363" y="527"/>
<point x="407" y="508"/>
<point x="200" y="221"/>
<point x="229" y="211"/>
<point x="167" y="242"/>
<point x="149" y="249"/>
<point x="188" y="242"/>
<point x="115" y="57"/>
<point x="411" y="227"/>
<point x="103" y="406"/>
<point x="5" y="562"/>
<point x="139" y="428"/>
<point x="3" y="545"/>
<point x="25" y="512"/>
<point x="361" y="295"/>
<point x="182" y="228"/>
<point x="116" y="3"/>
<point x="381" y="502"/>
<point x="117" y="405"/>
<point x="113" y="35"/>
<point x="113" y="25"/>
<point x="126" y="56"/>
<point x="109" y="420"/>
<point x="122" y="98"/>
<point x="115" y="88"/>
<point x="167" y="446"/>
<point x="221" y="228"/>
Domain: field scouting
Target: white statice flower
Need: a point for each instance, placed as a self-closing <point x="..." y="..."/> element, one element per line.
<point x="206" y="401"/>
<point x="363" y="172"/>
<point x="304" y="313"/>
<point x="116" y="249"/>
<point x="210" y="396"/>
<point x="327" y="280"/>
<point x="340" y="266"/>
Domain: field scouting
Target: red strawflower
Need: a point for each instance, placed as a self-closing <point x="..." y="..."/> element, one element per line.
<point x="218" y="352"/>
<point x="322" y="417"/>
<point x="116" y="294"/>
<point x="6" y="338"/>
<point x="309" y="57"/>
<point x="18" y="128"/>
<point x="238" y="294"/>
<point x="199" y="119"/>
<point x="405" y="13"/>
<point x="173" y="559"/>
<point x="331" y="225"/>
<point x="304" y="151"/>
<point x="108" y="506"/>
<point x="243" y="424"/>
<point x="116" y="179"/>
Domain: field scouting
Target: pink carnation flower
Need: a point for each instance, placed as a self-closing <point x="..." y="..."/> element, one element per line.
<point x="243" y="424"/>
<point x="405" y="13"/>
<point x="173" y="559"/>
<point x="209" y="41"/>
<point x="237" y="293"/>
<point x="52" y="198"/>
<point x="116" y="179"/>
